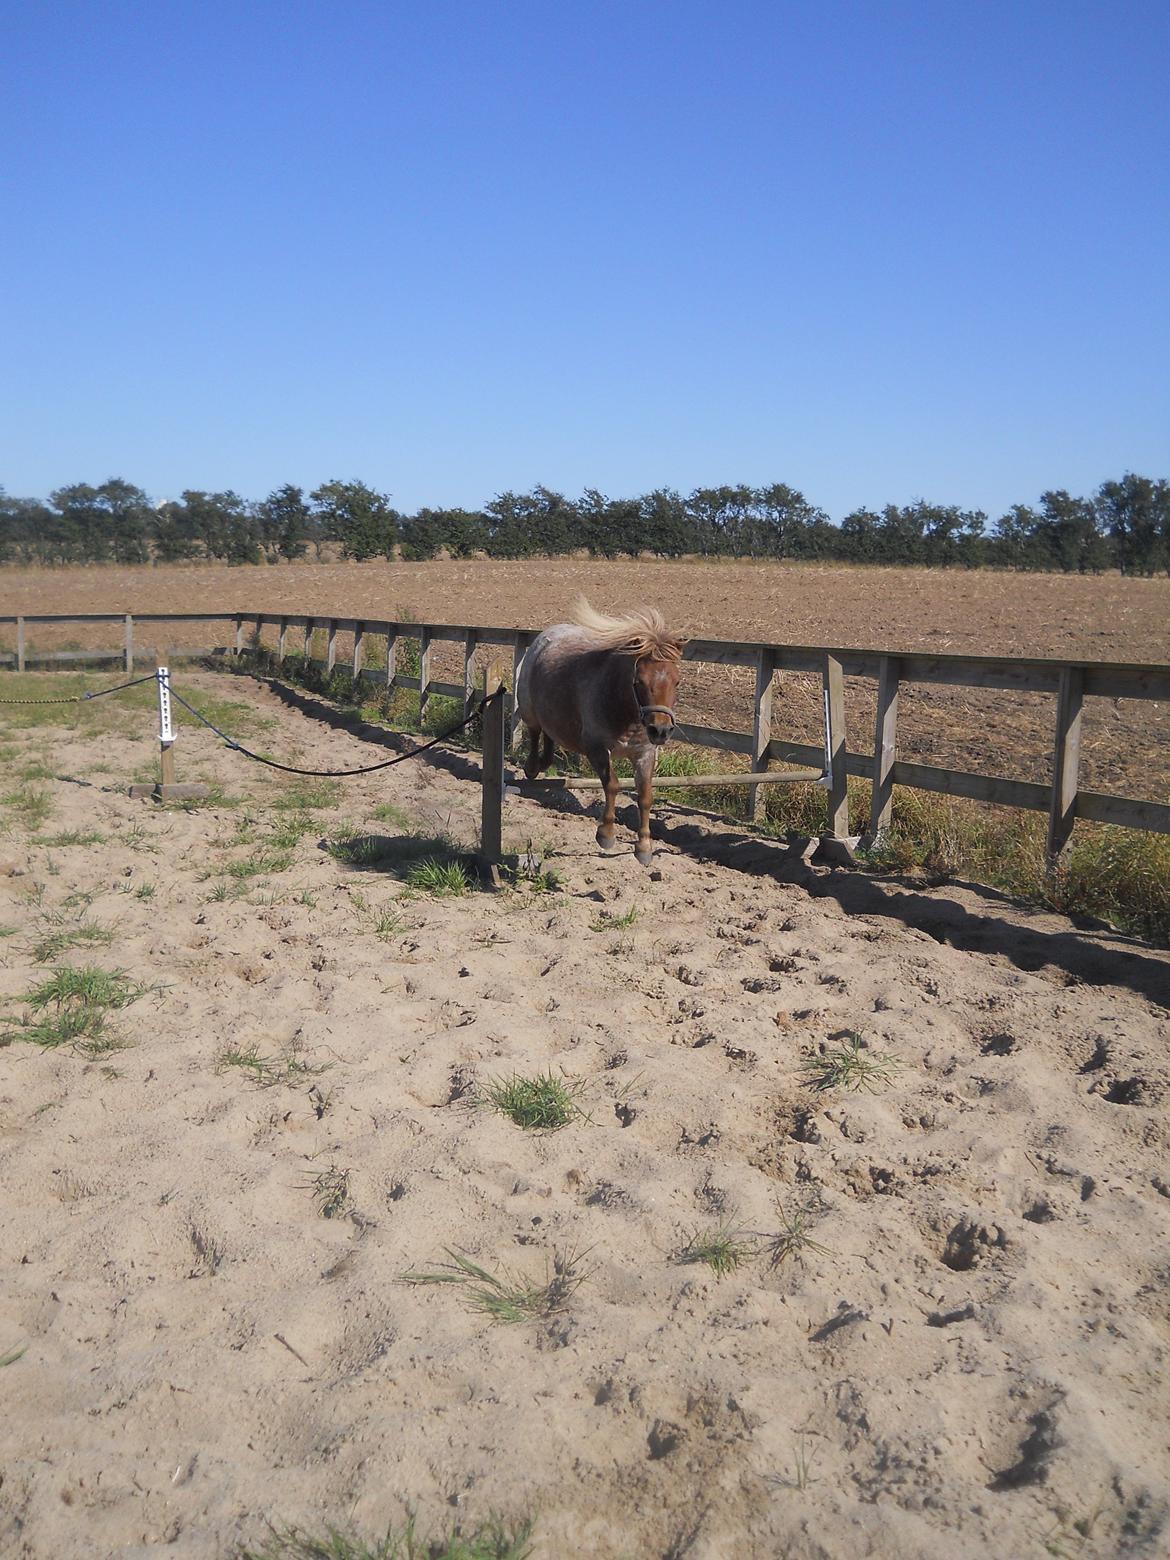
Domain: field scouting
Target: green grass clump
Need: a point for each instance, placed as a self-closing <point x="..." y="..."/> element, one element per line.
<point x="722" y="1247"/>
<point x="445" y="879"/>
<point x="73" y="837"/>
<point x="793" y="1238"/>
<point x="287" y="1066"/>
<point x="544" y="1103"/>
<point x="850" y="1066"/>
<point x="493" y="1540"/>
<point x="70" y="1008"/>
<point x="308" y="796"/>
<point x="506" y="1297"/>
<point x="267" y="859"/>
<point x="608" y="922"/>
<point x="31" y="806"/>
<point x="330" y="1189"/>
<point x="60" y="935"/>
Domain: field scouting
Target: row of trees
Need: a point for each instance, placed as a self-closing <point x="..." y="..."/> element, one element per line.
<point x="1126" y="525"/>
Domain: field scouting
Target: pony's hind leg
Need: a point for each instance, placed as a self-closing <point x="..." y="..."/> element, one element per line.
<point x="536" y="744"/>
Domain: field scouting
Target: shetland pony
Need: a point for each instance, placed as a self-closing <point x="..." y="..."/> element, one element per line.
<point x="604" y="687"/>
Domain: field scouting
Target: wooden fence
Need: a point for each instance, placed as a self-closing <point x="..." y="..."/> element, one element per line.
<point x="1069" y="683"/>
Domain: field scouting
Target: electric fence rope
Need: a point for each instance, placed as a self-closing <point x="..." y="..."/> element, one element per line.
<point x="336" y="774"/>
<point x="80" y="698"/>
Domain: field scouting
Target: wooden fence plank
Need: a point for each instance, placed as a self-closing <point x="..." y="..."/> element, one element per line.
<point x="331" y="646"/>
<point x="885" y="740"/>
<point x="359" y="636"/>
<point x="1066" y="759"/>
<point x="1124" y="811"/>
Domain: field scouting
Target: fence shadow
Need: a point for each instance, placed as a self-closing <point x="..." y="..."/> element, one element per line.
<point x="1104" y="958"/>
<point x="1096" y="958"/>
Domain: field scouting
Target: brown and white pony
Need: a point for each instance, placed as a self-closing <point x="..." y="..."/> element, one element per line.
<point x="604" y="687"/>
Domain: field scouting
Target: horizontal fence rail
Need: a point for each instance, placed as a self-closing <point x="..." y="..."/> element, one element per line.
<point x="1069" y="682"/>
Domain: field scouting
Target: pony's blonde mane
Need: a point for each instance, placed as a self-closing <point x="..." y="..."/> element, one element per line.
<point x="641" y="632"/>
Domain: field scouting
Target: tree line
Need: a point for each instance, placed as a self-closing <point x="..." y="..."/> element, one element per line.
<point x="1124" y="525"/>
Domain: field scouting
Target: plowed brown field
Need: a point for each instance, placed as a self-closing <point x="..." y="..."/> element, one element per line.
<point x="1126" y="746"/>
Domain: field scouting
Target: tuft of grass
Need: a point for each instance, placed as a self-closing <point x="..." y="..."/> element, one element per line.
<point x="330" y="1191"/>
<point x="144" y="891"/>
<point x="287" y="1066"/>
<point x="60" y="935"/>
<point x="722" y="1247"/>
<point x="793" y="1238"/>
<point x="70" y="1008"/>
<point x="73" y="837"/>
<point x="32" y="806"/>
<point x="802" y="1465"/>
<point x="851" y="1066"/>
<point x="507" y="1297"/>
<point x="544" y="1103"/>
<point x="308" y="796"/>
<point x="263" y="861"/>
<point x="290" y="831"/>
<point x="608" y="922"/>
<point x="13" y="1355"/>
<point x="388" y="813"/>
<point x="493" y="1540"/>
<point x="529" y="871"/>
<point x="442" y="878"/>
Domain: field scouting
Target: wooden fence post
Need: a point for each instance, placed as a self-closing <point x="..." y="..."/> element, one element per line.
<point x="20" y="644"/>
<point x="359" y="636"/>
<point x="424" y="672"/>
<point x="280" y="640"/>
<point x="885" y="739"/>
<point x="834" y="696"/>
<point x="239" y="635"/>
<point x="128" y="645"/>
<point x="519" y="651"/>
<point x="491" y="821"/>
<point x="761" y="730"/>
<point x="469" y="641"/>
<point x="308" y="645"/>
<point x="331" y="647"/>
<point x="1066" y="759"/>
<point x="391" y="656"/>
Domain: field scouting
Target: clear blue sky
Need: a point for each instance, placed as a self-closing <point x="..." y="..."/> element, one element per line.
<point x="875" y="250"/>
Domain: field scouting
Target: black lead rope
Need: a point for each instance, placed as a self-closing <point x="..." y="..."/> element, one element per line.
<point x="337" y="774"/>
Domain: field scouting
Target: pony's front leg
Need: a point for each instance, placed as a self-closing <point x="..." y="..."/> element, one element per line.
<point x="606" y="829"/>
<point x="644" y="766"/>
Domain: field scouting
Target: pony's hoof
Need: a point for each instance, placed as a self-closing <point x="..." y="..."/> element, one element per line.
<point x="607" y="841"/>
<point x="644" y="855"/>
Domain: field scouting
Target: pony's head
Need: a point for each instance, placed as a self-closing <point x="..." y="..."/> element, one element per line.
<point x="656" y="690"/>
<point x="657" y="655"/>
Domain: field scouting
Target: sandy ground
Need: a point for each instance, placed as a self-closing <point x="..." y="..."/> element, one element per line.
<point x="967" y="1358"/>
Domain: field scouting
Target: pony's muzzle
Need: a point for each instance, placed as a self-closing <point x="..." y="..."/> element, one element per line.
<point x="659" y="735"/>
